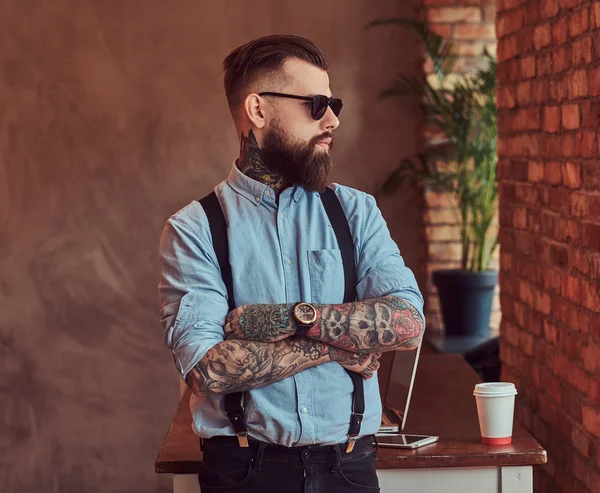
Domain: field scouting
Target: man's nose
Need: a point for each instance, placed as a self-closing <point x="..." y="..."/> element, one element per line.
<point x="329" y="121"/>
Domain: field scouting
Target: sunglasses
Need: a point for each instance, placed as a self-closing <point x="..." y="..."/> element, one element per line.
<point x="319" y="103"/>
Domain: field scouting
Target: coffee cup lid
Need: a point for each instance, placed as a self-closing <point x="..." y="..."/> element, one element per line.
<point x="495" y="389"/>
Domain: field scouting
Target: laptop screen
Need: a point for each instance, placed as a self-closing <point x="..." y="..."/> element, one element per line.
<point x="396" y="377"/>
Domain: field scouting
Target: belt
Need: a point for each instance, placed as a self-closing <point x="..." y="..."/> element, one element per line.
<point x="363" y="444"/>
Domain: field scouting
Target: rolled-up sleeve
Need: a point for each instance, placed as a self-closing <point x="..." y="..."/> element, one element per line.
<point x="191" y="292"/>
<point x="380" y="268"/>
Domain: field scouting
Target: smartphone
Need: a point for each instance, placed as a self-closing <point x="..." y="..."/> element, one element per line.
<point x="404" y="441"/>
<point x="389" y="429"/>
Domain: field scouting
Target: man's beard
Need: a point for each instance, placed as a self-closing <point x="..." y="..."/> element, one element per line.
<point x="297" y="163"/>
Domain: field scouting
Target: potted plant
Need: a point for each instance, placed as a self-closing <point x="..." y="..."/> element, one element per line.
<point x="460" y="161"/>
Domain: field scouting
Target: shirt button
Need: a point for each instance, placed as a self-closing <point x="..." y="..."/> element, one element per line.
<point x="290" y="261"/>
<point x="281" y="215"/>
<point x="304" y="410"/>
<point x="257" y="199"/>
<point x="267" y="192"/>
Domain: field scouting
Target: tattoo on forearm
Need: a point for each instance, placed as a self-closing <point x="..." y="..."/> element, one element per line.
<point x="376" y="325"/>
<point x="251" y="163"/>
<point x="237" y="366"/>
<point x="265" y="322"/>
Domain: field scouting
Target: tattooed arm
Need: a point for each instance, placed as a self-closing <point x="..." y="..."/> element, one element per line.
<point x="381" y="324"/>
<point x="236" y="366"/>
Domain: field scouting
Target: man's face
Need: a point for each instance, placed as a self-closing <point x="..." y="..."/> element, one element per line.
<point x="296" y="146"/>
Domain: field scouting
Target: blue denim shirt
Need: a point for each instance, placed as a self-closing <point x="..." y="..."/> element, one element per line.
<point x="279" y="253"/>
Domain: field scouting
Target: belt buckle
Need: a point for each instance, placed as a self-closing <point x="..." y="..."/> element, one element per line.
<point x="242" y="437"/>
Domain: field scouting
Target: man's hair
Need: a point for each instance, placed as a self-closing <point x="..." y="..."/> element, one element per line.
<point x="264" y="57"/>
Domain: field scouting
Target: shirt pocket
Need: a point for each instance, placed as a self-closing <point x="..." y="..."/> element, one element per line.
<point x="326" y="272"/>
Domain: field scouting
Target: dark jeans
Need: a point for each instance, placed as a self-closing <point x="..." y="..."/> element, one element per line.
<point x="263" y="468"/>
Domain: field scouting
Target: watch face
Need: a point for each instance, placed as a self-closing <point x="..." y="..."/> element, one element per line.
<point x="306" y="313"/>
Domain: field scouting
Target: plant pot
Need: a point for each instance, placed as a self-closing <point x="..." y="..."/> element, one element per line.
<point x="466" y="300"/>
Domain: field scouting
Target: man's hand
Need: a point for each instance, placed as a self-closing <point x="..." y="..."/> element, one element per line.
<point x="264" y="323"/>
<point x="365" y="364"/>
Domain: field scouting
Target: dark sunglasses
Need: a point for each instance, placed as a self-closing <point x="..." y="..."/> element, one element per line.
<point x="319" y="103"/>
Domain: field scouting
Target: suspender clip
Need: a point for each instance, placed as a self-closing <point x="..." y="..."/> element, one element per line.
<point x="243" y="439"/>
<point x="351" y="442"/>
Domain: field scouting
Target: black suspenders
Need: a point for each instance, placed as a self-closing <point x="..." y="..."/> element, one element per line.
<point x="337" y="218"/>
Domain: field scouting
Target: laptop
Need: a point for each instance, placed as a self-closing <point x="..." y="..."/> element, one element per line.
<point x="396" y="375"/>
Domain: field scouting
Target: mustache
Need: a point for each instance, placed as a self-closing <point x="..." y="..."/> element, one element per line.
<point x="326" y="135"/>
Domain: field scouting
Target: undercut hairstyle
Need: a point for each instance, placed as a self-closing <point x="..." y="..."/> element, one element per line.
<point x="264" y="57"/>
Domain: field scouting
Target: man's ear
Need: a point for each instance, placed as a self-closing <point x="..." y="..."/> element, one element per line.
<point x="254" y="109"/>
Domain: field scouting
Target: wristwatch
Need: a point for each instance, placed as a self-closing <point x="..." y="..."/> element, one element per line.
<point x="306" y="316"/>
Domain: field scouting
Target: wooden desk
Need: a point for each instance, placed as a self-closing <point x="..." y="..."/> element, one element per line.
<point x="443" y="405"/>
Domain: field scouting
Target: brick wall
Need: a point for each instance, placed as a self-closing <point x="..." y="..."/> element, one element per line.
<point x="549" y="115"/>
<point x="470" y="23"/>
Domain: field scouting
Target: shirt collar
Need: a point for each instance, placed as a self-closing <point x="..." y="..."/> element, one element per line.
<point x="252" y="189"/>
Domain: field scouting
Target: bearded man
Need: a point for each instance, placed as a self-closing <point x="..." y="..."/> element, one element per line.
<point x="279" y="291"/>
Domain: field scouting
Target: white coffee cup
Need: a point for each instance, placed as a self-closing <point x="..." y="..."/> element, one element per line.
<point x="495" y="407"/>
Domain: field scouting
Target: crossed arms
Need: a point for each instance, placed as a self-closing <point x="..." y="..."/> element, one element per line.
<point x="261" y="347"/>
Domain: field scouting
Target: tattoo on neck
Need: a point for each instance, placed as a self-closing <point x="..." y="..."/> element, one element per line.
<point x="251" y="163"/>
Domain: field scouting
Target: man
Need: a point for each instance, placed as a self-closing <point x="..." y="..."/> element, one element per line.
<point x="295" y="363"/>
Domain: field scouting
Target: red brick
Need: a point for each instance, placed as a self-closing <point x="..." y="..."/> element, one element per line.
<point x="582" y="51"/>
<point x="557" y="90"/>
<point x="474" y="32"/>
<point x="540" y="91"/>
<point x="441" y="216"/>
<point x="591" y="176"/>
<point x="594" y="81"/>
<point x="590" y="357"/>
<point x="585" y="144"/>
<point x="506" y="97"/>
<point x="568" y="229"/>
<point x="561" y="58"/>
<point x="549" y="8"/>
<point x="510" y="23"/>
<point x="559" y="255"/>
<point x="560" y="31"/>
<point x="552" y="173"/>
<point x="444" y="251"/>
<point x="454" y="14"/>
<point x="570" y="116"/>
<point x="591" y="235"/>
<point x="433" y="199"/>
<point x="535" y="171"/>
<point x="571" y="288"/>
<point x="444" y="30"/>
<point x="579" y="22"/>
<point x="528" y="67"/>
<point x="579" y="205"/>
<point x="467" y="49"/>
<point x="590" y="114"/>
<point x="442" y="233"/>
<point x="508" y="48"/>
<point x="571" y="175"/>
<point x="489" y="13"/>
<point x="541" y="36"/>
<point x="532" y="14"/>
<point x="527" y="119"/>
<point x="524" y="92"/>
<point x="591" y="420"/>
<point x="577" y="84"/>
<point x="582" y="441"/>
<point x="590" y="298"/>
<point x="552" y="118"/>
<point x="595" y="267"/>
<point x="544" y="64"/>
